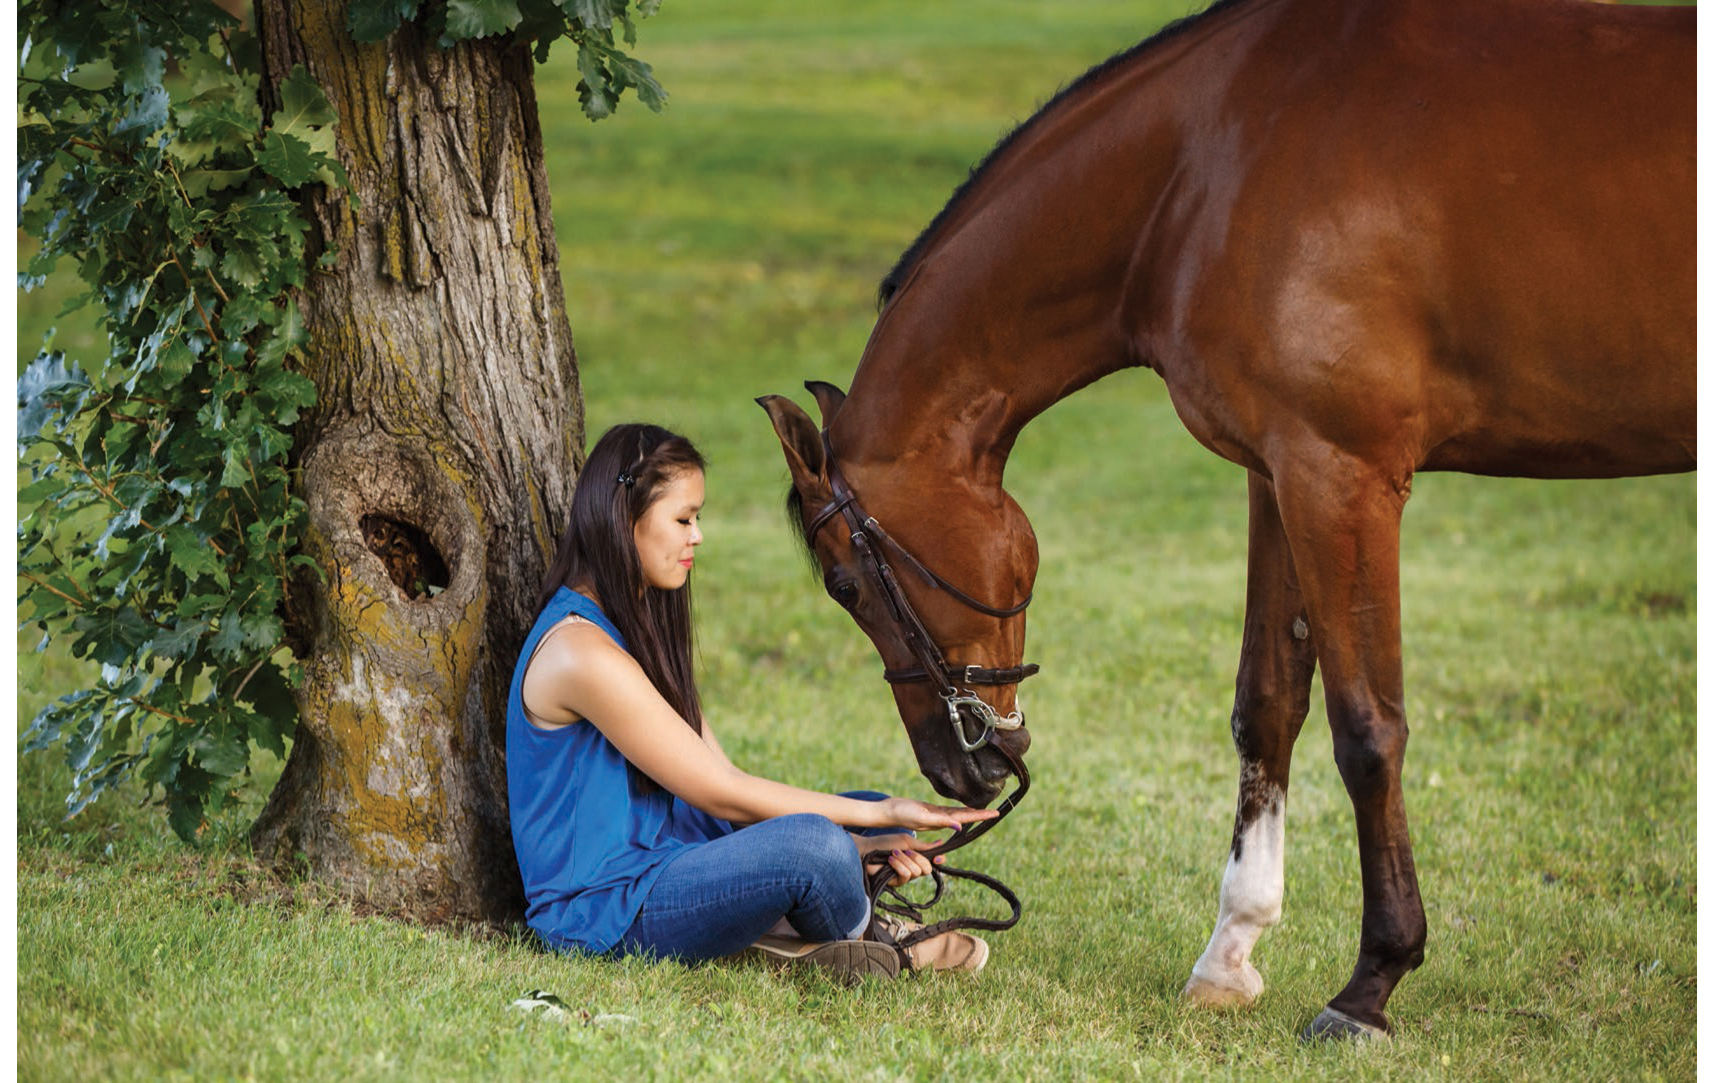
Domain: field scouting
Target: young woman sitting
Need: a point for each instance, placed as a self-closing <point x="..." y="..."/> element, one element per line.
<point x="633" y="831"/>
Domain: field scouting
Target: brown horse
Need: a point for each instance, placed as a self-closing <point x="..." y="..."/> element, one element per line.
<point x="1357" y="239"/>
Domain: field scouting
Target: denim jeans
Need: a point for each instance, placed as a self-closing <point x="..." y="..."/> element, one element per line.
<point x="716" y="898"/>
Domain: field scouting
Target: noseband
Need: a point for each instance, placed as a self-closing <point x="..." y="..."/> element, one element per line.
<point x="954" y="684"/>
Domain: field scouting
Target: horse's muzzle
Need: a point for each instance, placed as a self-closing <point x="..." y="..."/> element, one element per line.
<point x="977" y="778"/>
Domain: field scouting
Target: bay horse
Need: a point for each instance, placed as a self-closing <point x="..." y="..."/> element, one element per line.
<point x="1357" y="239"/>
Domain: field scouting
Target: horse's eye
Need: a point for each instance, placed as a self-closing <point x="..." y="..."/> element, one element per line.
<point x="844" y="593"/>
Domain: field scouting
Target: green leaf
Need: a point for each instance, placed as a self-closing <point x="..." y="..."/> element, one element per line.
<point x="236" y="471"/>
<point x="176" y="360"/>
<point x="190" y="554"/>
<point x="287" y="159"/>
<point x="594" y="14"/>
<point x="262" y="631"/>
<point x="631" y="72"/>
<point x="269" y="691"/>
<point x="242" y="266"/>
<point x="42" y="390"/>
<point x="140" y="65"/>
<point x="289" y="336"/>
<point x="200" y="182"/>
<point x="184" y="808"/>
<point x="305" y="120"/>
<point x="371" y="21"/>
<point x="303" y="105"/>
<point x="228" y="639"/>
<point x="110" y="635"/>
<point x="46" y="728"/>
<point x="222" y="754"/>
<point x="469" y="19"/>
<point x="593" y="91"/>
<point x="96" y="780"/>
<point x="179" y="640"/>
<point x="147" y="116"/>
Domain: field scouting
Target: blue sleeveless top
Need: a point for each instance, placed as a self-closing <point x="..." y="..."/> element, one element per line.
<point x="589" y="841"/>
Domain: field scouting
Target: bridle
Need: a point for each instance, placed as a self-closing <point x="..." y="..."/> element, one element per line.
<point x="954" y="684"/>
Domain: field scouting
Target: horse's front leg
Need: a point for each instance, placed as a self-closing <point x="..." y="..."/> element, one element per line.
<point x="1341" y="515"/>
<point x="1275" y="669"/>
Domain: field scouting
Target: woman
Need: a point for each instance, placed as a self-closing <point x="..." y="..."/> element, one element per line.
<point x="634" y="832"/>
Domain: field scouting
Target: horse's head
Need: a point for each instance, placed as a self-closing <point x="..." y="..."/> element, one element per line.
<point x="937" y="573"/>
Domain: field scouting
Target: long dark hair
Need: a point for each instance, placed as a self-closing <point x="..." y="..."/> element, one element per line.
<point x="625" y="473"/>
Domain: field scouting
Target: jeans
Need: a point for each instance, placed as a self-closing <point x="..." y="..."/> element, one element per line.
<point x="717" y="898"/>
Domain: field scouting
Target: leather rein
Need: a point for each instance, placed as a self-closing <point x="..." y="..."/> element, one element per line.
<point x="954" y="685"/>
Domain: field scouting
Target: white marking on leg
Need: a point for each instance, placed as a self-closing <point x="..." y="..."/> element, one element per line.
<point x="1251" y="893"/>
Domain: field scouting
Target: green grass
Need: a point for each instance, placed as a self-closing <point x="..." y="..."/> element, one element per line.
<point x="731" y="248"/>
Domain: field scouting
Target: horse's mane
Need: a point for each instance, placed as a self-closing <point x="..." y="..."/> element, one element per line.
<point x="902" y="269"/>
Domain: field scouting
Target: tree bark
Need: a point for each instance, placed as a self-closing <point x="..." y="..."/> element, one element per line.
<point x="436" y="466"/>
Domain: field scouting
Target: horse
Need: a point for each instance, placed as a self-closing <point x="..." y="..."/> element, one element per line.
<point x="1356" y="239"/>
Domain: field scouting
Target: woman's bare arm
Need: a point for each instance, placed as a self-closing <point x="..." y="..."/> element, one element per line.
<point x="581" y="673"/>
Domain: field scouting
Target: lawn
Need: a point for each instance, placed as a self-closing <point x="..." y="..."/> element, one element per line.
<point x="730" y="247"/>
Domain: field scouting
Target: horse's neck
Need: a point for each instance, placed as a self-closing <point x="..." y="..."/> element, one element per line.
<point x="961" y="417"/>
<point x="1017" y="297"/>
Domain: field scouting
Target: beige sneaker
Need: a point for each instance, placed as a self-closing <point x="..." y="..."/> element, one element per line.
<point x="953" y="951"/>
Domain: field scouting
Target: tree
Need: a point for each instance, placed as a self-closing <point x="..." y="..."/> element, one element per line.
<point x="343" y="483"/>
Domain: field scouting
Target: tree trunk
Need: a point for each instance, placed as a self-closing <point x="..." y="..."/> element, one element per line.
<point x="436" y="467"/>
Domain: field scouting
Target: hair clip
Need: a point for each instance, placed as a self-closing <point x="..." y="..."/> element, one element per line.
<point x="627" y="480"/>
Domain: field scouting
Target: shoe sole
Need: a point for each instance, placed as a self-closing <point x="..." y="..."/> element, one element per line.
<point x="849" y="961"/>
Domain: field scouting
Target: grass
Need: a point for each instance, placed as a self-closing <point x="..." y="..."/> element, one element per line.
<point x="731" y="248"/>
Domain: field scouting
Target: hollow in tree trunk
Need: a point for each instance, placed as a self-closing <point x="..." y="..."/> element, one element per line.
<point x="436" y="465"/>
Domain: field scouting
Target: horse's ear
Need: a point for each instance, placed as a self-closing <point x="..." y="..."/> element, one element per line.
<point x="801" y="441"/>
<point x="828" y="397"/>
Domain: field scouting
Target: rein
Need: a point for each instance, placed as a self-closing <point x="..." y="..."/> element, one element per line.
<point x="880" y="882"/>
<point x="954" y="686"/>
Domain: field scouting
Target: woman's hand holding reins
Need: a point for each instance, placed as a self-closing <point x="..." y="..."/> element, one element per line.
<point x="900" y="851"/>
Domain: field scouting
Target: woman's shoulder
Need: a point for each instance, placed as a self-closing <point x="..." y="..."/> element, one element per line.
<point x="575" y="643"/>
<point x="573" y="659"/>
<point x="566" y="602"/>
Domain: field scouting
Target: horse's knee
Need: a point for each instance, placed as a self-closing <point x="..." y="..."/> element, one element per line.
<point x="1368" y="750"/>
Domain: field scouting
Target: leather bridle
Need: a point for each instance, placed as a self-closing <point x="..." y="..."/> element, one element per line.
<point x="954" y="684"/>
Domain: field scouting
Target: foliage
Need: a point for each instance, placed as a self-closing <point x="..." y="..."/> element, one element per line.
<point x="607" y="71"/>
<point x="158" y="524"/>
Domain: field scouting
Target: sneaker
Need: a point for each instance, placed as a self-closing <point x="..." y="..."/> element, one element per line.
<point x="953" y="951"/>
<point x="848" y="961"/>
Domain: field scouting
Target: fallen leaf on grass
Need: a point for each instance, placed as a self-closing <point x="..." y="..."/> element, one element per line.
<point x="552" y="1007"/>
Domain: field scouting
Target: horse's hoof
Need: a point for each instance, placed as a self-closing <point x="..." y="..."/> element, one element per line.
<point x="1205" y="993"/>
<point x="1335" y="1024"/>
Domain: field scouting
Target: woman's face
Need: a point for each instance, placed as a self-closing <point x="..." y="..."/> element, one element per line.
<point x="668" y="533"/>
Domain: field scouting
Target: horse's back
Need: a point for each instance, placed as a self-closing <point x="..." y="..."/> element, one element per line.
<point x="1455" y="234"/>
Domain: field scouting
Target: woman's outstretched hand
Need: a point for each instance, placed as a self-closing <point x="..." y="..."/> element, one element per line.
<point x="917" y="816"/>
